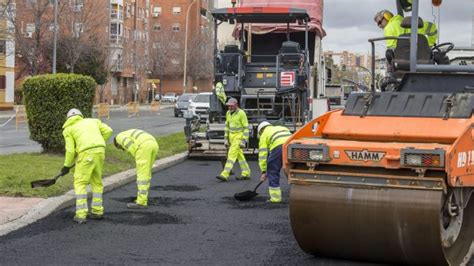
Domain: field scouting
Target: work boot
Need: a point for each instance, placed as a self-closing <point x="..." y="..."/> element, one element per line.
<point x="79" y="220"/>
<point x="221" y="178"/>
<point x="243" y="178"/>
<point x="133" y="205"/>
<point x="94" y="216"/>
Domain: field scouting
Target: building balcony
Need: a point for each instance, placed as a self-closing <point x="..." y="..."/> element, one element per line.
<point x="116" y="2"/>
<point x="116" y="65"/>
<point x="116" y="39"/>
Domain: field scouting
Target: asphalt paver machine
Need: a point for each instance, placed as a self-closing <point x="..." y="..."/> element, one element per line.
<point x="267" y="70"/>
<point x="389" y="178"/>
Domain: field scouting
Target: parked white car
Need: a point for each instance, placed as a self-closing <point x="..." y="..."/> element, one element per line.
<point x="200" y="105"/>
<point x="169" y="97"/>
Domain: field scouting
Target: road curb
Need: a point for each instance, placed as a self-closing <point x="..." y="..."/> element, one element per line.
<point x="50" y="205"/>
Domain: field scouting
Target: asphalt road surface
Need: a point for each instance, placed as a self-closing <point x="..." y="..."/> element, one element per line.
<point x="162" y="122"/>
<point x="192" y="220"/>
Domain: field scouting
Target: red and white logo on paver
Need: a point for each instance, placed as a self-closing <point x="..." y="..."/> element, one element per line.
<point x="287" y="79"/>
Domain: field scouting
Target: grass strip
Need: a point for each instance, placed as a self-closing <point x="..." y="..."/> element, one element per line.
<point x="18" y="170"/>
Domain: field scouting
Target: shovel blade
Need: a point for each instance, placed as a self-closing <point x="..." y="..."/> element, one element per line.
<point x="43" y="183"/>
<point x="245" y="196"/>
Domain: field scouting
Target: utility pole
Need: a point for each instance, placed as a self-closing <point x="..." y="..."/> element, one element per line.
<point x="186" y="46"/>
<point x="135" y="34"/>
<point x="55" y="34"/>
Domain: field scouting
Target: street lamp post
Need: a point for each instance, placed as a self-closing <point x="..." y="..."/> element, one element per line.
<point x="186" y="45"/>
<point x="55" y="34"/>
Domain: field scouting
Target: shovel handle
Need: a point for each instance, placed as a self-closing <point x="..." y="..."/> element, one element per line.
<point x="259" y="183"/>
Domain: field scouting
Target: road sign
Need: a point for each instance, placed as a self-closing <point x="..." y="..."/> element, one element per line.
<point x="153" y="81"/>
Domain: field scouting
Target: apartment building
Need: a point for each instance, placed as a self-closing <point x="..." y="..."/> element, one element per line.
<point x="129" y="51"/>
<point x="7" y="56"/>
<point x="181" y="33"/>
<point x="118" y="29"/>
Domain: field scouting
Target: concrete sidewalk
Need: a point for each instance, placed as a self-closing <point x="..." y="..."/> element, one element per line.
<point x="17" y="212"/>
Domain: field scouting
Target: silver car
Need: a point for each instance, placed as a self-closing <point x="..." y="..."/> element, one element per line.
<point x="183" y="103"/>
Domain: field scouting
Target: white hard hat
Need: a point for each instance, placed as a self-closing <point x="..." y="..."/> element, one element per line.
<point x="232" y="101"/>
<point x="262" y="125"/>
<point x="73" y="112"/>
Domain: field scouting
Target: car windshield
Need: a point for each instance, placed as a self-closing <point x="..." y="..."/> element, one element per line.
<point x="202" y="98"/>
<point x="185" y="97"/>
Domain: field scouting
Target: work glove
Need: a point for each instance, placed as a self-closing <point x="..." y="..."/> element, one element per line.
<point x="263" y="177"/>
<point x="243" y="144"/>
<point x="226" y="143"/>
<point x="65" y="170"/>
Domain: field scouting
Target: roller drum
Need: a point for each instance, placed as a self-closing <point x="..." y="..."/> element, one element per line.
<point x="389" y="225"/>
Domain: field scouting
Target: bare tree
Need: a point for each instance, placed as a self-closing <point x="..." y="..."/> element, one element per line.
<point x="31" y="36"/>
<point x="200" y="56"/>
<point x="166" y="56"/>
<point x="82" y="28"/>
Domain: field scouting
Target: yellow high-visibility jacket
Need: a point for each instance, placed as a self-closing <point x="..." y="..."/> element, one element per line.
<point x="81" y="134"/>
<point x="236" y="122"/>
<point x="220" y="92"/>
<point x="271" y="137"/>
<point x="131" y="140"/>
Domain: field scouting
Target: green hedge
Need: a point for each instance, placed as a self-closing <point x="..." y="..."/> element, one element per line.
<point x="48" y="98"/>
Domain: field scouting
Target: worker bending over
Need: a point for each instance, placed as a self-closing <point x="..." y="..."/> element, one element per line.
<point x="85" y="137"/>
<point x="144" y="148"/>
<point x="236" y="136"/>
<point x="271" y="139"/>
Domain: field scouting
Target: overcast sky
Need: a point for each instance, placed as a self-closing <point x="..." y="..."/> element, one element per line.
<point x="349" y="23"/>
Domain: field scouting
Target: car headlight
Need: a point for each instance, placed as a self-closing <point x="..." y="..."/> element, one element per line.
<point x="422" y="158"/>
<point x="308" y="153"/>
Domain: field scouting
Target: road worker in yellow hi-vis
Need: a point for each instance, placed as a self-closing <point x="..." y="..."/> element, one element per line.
<point x="236" y="137"/>
<point x="85" y="137"/>
<point x="271" y="139"/>
<point x="144" y="148"/>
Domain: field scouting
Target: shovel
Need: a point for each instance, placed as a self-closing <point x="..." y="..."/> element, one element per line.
<point x="247" y="195"/>
<point x="46" y="182"/>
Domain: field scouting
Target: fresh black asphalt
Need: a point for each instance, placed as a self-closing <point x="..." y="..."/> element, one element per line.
<point x="192" y="220"/>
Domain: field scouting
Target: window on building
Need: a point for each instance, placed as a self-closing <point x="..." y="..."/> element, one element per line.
<point x="3" y="48"/>
<point x="3" y="83"/>
<point x="176" y="10"/>
<point x="78" y="29"/>
<point x="116" y="29"/>
<point x="203" y="12"/>
<point x="157" y="27"/>
<point x="156" y="45"/>
<point x="29" y="30"/>
<point x="156" y="11"/>
<point x="176" y="27"/>
<point x="174" y="62"/>
<point x="31" y="3"/>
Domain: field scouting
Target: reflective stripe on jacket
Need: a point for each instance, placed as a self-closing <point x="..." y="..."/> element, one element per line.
<point x="131" y="140"/>
<point x="429" y="30"/>
<point x="81" y="134"/>
<point x="236" y="122"/>
<point x="272" y="137"/>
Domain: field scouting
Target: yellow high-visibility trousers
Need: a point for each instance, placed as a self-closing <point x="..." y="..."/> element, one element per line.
<point x="144" y="158"/>
<point x="89" y="166"/>
<point x="235" y="154"/>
